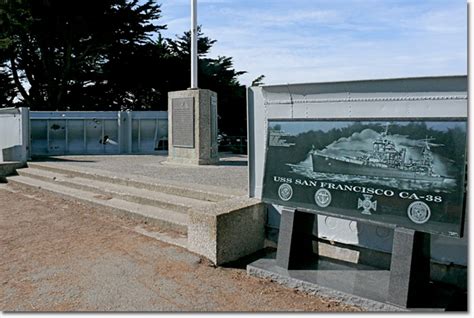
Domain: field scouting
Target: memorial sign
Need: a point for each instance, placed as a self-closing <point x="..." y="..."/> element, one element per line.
<point x="183" y="122"/>
<point x="407" y="172"/>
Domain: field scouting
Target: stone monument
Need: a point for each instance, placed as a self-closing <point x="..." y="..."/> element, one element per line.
<point x="192" y="127"/>
<point x="192" y="116"/>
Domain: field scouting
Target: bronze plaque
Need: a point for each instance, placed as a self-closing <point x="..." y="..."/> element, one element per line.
<point x="183" y="122"/>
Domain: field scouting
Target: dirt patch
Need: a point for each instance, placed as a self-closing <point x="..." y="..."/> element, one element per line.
<point x="61" y="255"/>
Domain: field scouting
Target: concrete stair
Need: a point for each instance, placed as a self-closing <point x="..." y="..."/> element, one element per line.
<point x="196" y="192"/>
<point x="163" y="205"/>
<point x="141" y="196"/>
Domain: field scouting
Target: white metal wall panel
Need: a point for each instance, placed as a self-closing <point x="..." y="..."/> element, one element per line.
<point x="94" y="136"/>
<point x="14" y="129"/>
<point x="162" y="129"/>
<point x="39" y="129"/>
<point x="136" y="136"/>
<point x="431" y="97"/>
<point x="111" y="136"/>
<point x="146" y="130"/>
<point x="60" y="133"/>
<point x="56" y="136"/>
<point x="76" y="142"/>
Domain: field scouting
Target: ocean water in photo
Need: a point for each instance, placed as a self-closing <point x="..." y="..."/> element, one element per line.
<point x="305" y="169"/>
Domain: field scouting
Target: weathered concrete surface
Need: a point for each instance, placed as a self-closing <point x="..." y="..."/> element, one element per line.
<point x="229" y="177"/>
<point x="228" y="230"/>
<point x="165" y="219"/>
<point x="58" y="255"/>
<point x="230" y="227"/>
<point x="8" y="168"/>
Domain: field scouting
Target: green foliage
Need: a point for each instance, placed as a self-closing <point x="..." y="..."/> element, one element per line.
<point x="7" y="91"/>
<point x="181" y="47"/>
<point x="61" y="54"/>
<point x="258" y="81"/>
<point x="105" y="55"/>
<point x="216" y="74"/>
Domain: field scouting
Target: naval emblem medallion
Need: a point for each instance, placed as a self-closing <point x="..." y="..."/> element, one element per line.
<point x="419" y="212"/>
<point x="285" y="192"/>
<point x="323" y="198"/>
<point x="367" y="204"/>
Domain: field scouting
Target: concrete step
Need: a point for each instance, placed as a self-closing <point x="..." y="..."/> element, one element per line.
<point x="167" y="237"/>
<point x="134" y="181"/>
<point x="132" y="194"/>
<point x="165" y="219"/>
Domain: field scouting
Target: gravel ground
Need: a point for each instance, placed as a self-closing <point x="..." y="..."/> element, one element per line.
<point x="231" y="173"/>
<point x="60" y="255"/>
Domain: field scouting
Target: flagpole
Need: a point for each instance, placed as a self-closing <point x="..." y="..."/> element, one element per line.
<point x="194" y="52"/>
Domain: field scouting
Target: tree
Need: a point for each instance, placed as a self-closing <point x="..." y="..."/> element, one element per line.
<point x="7" y="90"/>
<point x="216" y="74"/>
<point x="258" y="81"/>
<point x="61" y="53"/>
<point x="105" y="55"/>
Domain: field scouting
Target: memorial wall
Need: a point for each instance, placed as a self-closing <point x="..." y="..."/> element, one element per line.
<point x="384" y="151"/>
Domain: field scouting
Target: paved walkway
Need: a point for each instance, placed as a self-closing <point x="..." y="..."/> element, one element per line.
<point x="59" y="255"/>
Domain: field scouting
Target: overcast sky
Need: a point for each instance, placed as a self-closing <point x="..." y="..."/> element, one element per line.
<point x="330" y="40"/>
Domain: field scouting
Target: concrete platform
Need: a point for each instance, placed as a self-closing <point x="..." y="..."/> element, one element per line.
<point x="230" y="176"/>
<point x="202" y="208"/>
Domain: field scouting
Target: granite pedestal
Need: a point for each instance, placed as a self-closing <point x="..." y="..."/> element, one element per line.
<point x="192" y="127"/>
<point x="405" y="286"/>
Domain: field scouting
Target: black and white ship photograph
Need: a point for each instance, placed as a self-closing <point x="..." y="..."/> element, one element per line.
<point x="379" y="157"/>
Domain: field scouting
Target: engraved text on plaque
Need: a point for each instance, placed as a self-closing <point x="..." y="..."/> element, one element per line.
<point x="183" y="122"/>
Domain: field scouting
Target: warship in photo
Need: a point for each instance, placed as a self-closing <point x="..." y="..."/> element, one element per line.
<point x="384" y="161"/>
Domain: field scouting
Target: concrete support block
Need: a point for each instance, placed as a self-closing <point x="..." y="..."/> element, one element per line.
<point x="295" y="244"/>
<point x="228" y="230"/>
<point x="410" y="267"/>
<point x="14" y="153"/>
<point x="9" y="168"/>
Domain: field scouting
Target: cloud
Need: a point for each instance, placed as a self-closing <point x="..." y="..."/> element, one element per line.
<point x="309" y="41"/>
<point x="360" y="144"/>
<point x="265" y="18"/>
<point x="176" y="24"/>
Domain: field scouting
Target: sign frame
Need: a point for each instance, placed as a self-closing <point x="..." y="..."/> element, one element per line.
<point x="341" y="213"/>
